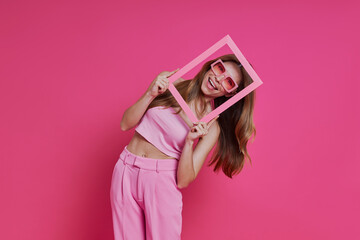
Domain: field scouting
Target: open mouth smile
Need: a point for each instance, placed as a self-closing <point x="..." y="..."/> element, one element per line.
<point x="212" y="84"/>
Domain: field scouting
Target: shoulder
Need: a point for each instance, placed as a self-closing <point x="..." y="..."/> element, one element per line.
<point x="213" y="134"/>
<point x="215" y="127"/>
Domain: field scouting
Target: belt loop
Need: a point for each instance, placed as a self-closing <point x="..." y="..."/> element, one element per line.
<point x="127" y="158"/>
<point x="157" y="166"/>
<point x="134" y="160"/>
<point x="124" y="160"/>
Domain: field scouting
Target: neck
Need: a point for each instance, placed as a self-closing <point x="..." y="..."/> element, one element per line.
<point x="196" y="104"/>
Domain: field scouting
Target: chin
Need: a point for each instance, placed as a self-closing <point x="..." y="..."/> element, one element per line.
<point x="204" y="90"/>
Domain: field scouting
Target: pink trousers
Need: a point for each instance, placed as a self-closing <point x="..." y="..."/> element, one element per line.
<point x="145" y="200"/>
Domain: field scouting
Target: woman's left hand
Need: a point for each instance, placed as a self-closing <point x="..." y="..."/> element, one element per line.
<point x="199" y="130"/>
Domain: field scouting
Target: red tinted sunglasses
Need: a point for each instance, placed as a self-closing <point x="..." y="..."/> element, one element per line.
<point x="218" y="68"/>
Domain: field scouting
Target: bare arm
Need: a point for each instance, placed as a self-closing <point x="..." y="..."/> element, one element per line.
<point x="191" y="161"/>
<point x="134" y="113"/>
<point x="185" y="172"/>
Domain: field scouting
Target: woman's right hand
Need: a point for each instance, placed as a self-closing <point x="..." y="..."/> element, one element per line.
<point x="199" y="130"/>
<point x="160" y="84"/>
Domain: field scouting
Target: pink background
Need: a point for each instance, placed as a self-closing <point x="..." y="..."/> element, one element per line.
<point x="69" y="69"/>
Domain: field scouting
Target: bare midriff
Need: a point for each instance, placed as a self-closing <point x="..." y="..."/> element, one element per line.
<point x="141" y="147"/>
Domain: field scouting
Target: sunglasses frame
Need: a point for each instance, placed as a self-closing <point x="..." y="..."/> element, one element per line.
<point x="225" y="74"/>
<point x="225" y="41"/>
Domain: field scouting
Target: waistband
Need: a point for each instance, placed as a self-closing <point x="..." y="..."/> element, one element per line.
<point x="148" y="163"/>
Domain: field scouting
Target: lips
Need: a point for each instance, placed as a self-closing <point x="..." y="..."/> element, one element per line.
<point x="211" y="84"/>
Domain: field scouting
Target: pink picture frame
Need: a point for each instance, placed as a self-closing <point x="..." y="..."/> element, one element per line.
<point x="236" y="51"/>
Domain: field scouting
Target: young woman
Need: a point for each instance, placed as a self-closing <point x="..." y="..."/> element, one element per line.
<point x="167" y="150"/>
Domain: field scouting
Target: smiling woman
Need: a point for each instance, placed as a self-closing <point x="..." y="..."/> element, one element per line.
<point x="161" y="158"/>
<point x="236" y="123"/>
<point x="222" y="79"/>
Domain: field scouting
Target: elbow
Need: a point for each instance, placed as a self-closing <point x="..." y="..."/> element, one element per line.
<point x="184" y="184"/>
<point x="123" y="127"/>
<point x="124" y="123"/>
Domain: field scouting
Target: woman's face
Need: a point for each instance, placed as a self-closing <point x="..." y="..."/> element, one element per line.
<point x="211" y="92"/>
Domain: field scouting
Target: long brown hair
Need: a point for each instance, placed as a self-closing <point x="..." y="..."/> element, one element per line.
<point x="236" y="122"/>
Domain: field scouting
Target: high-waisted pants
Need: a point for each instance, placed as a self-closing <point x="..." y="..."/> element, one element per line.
<point x="145" y="200"/>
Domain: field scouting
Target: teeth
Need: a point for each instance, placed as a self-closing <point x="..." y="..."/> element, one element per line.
<point x="212" y="84"/>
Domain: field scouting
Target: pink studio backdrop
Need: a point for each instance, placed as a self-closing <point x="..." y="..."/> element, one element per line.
<point x="69" y="69"/>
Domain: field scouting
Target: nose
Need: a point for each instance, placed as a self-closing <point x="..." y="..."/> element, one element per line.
<point x="219" y="78"/>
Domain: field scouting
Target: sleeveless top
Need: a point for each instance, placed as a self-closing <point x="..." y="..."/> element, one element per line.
<point x="165" y="129"/>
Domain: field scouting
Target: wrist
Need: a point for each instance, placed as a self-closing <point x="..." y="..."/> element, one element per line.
<point x="189" y="142"/>
<point x="148" y="96"/>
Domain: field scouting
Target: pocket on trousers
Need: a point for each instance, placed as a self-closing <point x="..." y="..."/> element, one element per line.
<point x="174" y="183"/>
<point x="171" y="193"/>
<point x="117" y="182"/>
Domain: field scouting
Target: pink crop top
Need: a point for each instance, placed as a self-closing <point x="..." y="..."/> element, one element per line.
<point x="164" y="129"/>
